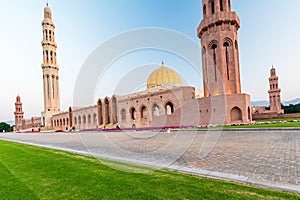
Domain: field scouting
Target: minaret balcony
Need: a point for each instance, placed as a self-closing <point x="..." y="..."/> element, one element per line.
<point x="218" y="17"/>
<point x="50" y="66"/>
<point x="47" y="42"/>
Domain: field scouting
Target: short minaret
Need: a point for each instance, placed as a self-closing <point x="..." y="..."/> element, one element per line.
<point x="274" y="93"/>
<point x="50" y="70"/>
<point x="19" y="114"/>
<point x="218" y="32"/>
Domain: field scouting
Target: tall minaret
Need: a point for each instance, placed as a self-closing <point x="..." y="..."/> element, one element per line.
<point x="220" y="54"/>
<point x="274" y="93"/>
<point x="19" y="114"/>
<point x="50" y="70"/>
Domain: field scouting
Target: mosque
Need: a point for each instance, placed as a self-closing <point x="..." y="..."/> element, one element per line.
<point x="165" y="102"/>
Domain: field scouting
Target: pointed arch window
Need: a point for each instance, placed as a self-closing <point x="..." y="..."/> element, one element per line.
<point x="221" y="6"/>
<point x="226" y="45"/>
<point x="212" y="7"/>
<point x="89" y="119"/>
<point x="123" y="114"/>
<point x="50" y="35"/>
<point x="133" y="113"/>
<point x="169" y="108"/>
<point x="144" y="112"/>
<point x="48" y="86"/>
<point x="156" y="112"/>
<point x="214" y="47"/>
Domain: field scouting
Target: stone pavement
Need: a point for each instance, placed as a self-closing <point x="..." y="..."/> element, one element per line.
<point x="263" y="158"/>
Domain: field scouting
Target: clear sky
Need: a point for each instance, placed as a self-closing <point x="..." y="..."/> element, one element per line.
<point x="269" y="35"/>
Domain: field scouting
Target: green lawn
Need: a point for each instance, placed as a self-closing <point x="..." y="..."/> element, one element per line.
<point x="277" y="119"/>
<point x="28" y="172"/>
<point x="279" y="125"/>
<point x="283" y="125"/>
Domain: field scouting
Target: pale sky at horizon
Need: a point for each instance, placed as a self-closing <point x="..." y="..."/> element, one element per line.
<point x="269" y="35"/>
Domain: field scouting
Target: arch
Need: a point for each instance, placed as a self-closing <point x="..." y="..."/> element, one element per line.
<point x="214" y="43"/>
<point x="227" y="44"/>
<point x="84" y="119"/>
<point x="71" y="116"/>
<point x="228" y="41"/>
<point x="89" y="119"/>
<point x="79" y="120"/>
<point x="123" y="115"/>
<point x="133" y="113"/>
<point x="46" y="31"/>
<point x="204" y="10"/>
<point x="214" y="46"/>
<point x="212" y="6"/>
<point x="67" y="122"/>
<point x="75" y="120"/>
<point x="54" y="122"/>
<point x="236" y="114"/>
<point x="64" y="121"/>
<point x="249" y="113"/>
<point x="47" y="56"/>
<point x="95" y="118"/>
<point x="107" y="110"/>
<point x="114" y="109"/>
<point x="144" y="112"/>
<point x="156" y="110"/>
<point x="221" y="6"/>
<point x="169" y="108"/>
<point x="51" y="57"/>
<point x="60" y="122"/>
<point x="50" y="35"/>
<point x="100" y="112"/>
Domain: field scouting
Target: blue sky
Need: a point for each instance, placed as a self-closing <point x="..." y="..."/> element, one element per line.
<point x="269" y="35"/>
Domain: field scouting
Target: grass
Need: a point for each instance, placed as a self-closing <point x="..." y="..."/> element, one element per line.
<point x="28" y="172"/>
<point x="277" y="119"/>
<point x="279" y="125"/>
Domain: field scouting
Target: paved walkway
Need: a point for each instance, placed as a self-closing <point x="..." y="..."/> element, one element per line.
<point x="263" y="158"/>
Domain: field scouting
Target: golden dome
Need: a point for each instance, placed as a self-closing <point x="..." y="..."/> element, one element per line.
<point x="163" y="76"/>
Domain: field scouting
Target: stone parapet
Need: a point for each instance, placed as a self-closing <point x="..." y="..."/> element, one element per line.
<point x="216" y="18"/>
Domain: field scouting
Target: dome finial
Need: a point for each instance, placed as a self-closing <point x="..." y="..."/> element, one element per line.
<point x="163" y="63"/>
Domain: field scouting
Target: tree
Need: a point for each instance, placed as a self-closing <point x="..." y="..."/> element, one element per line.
<point x="5" y="127"/>
<point x="291" y="109"/>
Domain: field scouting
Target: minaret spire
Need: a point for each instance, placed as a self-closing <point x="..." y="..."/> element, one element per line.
<point x="274" y="93"/>
<point x="19" y="114"/>
<point x="50" y="69"/>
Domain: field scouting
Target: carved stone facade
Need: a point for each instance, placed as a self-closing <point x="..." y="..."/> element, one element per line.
<point x="220" y="60"/>
<point x="166" y="102"/>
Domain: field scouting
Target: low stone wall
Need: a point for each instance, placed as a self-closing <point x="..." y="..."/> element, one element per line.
<point x="274" y="116"/>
